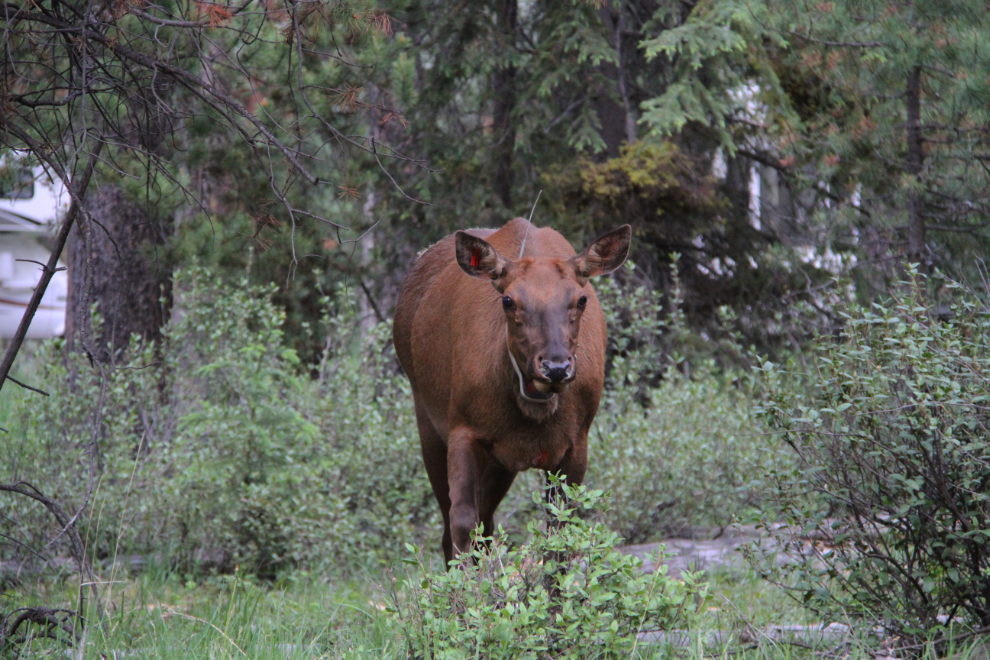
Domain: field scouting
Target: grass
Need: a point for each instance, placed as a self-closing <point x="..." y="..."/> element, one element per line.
<point x="161" y="614"/>
<point x="741" y="598"/>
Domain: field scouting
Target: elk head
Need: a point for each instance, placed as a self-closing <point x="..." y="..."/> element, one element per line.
<point x="543" y="299"/>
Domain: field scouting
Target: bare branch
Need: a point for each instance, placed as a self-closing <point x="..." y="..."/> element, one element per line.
<point x="397" y="187"/>
<point x="27" y="387"/>
<point x="76" y="546"/>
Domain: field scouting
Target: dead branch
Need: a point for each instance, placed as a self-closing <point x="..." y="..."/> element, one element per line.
<point x="57" y="624"/>
<point x="26" y="386"/>
<point x="76" y="546"/>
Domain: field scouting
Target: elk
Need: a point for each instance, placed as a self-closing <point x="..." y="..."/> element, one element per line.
<point x="506" y="358"/>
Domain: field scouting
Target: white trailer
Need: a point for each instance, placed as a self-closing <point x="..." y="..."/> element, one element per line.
<point x="27" y="223"/>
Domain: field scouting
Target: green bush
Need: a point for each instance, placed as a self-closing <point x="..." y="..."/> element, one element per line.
<point x="218" y="447"/>
<point x="892" y="480"/>
<point x="674" y="441"/>
<point x="566" y="594"/>
<point x="287" y="470"/>
<point x="686" y="460"/>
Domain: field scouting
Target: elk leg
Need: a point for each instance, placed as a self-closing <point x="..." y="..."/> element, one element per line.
<point x="494" y="485"/>
<point x="465" y="458"/>
<point x="435" y="460"/>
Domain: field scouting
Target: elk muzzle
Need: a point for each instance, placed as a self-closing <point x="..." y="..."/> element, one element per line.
<point x="556" y="372"/>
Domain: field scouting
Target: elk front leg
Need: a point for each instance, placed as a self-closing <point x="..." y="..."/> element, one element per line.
<point x="465" y="460"/>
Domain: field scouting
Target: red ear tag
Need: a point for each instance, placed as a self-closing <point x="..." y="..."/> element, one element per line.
<point x="475" y="259"/>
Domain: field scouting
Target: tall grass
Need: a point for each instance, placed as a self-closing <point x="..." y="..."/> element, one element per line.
<point x="161" y="614"/>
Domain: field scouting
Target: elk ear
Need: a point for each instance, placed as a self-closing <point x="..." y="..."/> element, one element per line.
<point x="477" y="258"/>
<point x="604" y="255"/>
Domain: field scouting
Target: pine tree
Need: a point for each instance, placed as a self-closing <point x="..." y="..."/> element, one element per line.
<point x="899" y="122"/>
<point x="874" y="114"/>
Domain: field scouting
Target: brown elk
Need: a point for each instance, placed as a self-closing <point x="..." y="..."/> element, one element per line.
<point x="507" y="361"/>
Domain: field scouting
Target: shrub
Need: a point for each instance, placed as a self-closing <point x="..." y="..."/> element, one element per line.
<point x="218" y="447"/>
<point x="280" y="470"/>
<point x="566" y="594"/>
<point x="892" y="479"/>
<point x="685" y="460"/>
<point x="674" y="441"/>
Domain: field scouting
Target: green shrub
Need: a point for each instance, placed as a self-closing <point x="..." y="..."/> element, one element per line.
<point x="685" y="460"/>
<point x="286" y="471"/>
<point x="674" y="441"/>
<point x="566" y="594"/>
<point x="892" y="479"/>
<point x="218" y="447"/>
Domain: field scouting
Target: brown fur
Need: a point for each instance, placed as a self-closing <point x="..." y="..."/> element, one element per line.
<point x="477" y="431"/>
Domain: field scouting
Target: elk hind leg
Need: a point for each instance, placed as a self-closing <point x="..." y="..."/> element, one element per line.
<point x="435" y="460"/>
<point x="495" y="483"/>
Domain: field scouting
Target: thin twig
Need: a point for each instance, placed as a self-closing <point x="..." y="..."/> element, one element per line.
<point x="27" y="387"/>
<point x="397" y="186"/>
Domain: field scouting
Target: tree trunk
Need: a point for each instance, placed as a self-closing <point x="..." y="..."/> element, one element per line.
<point x="917" y="250"/>
<point x="505" y="102"/>
<point x="618" y="120"/>
<point x="620" y="28"/>
<point x="115" y="260"/>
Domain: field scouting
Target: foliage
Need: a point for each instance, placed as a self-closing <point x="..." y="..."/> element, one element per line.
<point x="686" y="459"/>
<point x="566" y="594"/>
<point x="156" y="79"/>
<point x="220" y="448"/>
<point x="891" y="477"/>
<point x="674" y="441"/>
<point x="869" y="120"/>
<point x="165" y="614"/>
<point x="690" y="241"/>
<point x="218" y="119"/>
<point x="653" y="113"/>
<point x="225" y="452"/>
<point x="491" y="105"/>
<point x="892" y="101"/>
<point x="658" y="187"/>
<point x="537" y="68"/>
<point x="718" y="53"/>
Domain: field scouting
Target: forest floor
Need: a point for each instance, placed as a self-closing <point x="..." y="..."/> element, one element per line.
<point x="160" y="614"/>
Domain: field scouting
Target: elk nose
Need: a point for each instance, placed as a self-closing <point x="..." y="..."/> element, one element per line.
<point x="555" y="371"/>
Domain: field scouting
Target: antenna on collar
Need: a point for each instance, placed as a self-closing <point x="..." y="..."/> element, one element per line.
<point x="529" y="223"/>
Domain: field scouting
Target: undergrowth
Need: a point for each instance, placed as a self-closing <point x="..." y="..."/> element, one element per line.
<point x="219" y="448"/>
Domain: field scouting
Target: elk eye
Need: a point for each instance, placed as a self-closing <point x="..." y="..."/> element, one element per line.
<point x="582" y="302"/>
<point x="507" y="303"/>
